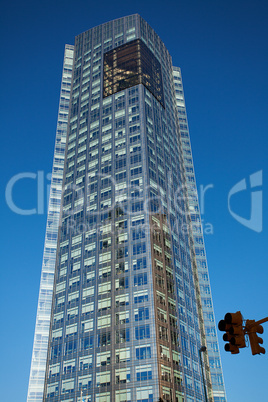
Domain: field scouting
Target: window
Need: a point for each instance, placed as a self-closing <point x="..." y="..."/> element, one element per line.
<point x="85" y="381"/>
<point x="138" y="206"/>
<point x="129" y="65"/>
<point x="144" y="373"/>
<point x="141" y="314"/>
<point x="139" y="248"/>
<point x="87" y="343"/>
<point x="104" y="304"/>
<point x="54" y="369"/>
<point x="122" y="355"/>
<point x="87" y="308"/>
<point x="122" y="300"/>
<point x="71" y="329"/>
<point x="121" y="267"/>
<point x="138" y="234"/>
<point x="123" y="395"/>
<point x="104" y="321"/>
<point x="104" y="288"/>
<point x="121" y="283"/>
<point x="122" y="335"/>
<point x="85" y="362"/>
<point x="70" y="347"/>
<point x="165" y="373"/>
<point x="122" y="252"/>
<point x="103" y="397"/>
<point x="103" y="358"/>
<point x="104" y="272"/>
<point x="163" y="333"/>
<point x="56" y="351"/>
<point x="143" y="352"/>
<point x="164" y="353"/>
<point x="140" y="263"/>
<point x="142" y="332"/>
<point x="141" y="297"/>
<point x="104" y="338"/>
<point x="103" y="378"/>
<point x="140" y="279"/>
<point x="145" y="394"/>
<point x="122" y="317"/>
<point x="122" y="376"/>
<point x="67" y="386"/>
<point x="52" y="389"/>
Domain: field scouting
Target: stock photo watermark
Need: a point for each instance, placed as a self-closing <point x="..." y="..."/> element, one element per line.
<point x="175" y="201"/>
<point x="256" y="204"/>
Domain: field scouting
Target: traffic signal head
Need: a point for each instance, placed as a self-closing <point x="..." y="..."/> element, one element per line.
<point x="254" y="339"/>
<point x="234" y="333"/>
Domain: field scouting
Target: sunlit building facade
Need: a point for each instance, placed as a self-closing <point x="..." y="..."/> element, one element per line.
<point x="127" y="320"/>
<point x="42" y="326"/>
<point x="199" y="246"/>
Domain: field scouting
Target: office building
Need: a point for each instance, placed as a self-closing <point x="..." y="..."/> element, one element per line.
<point x="129" y="312"/>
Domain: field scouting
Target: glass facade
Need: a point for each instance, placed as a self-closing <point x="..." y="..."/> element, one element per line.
<point x="39" y="355"/>
<point x="126" y="318"/>
<point x="200" y="253"/>
<point x="129" y="65"/>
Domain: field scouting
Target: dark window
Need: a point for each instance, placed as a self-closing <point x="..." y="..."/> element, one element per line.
<point x="122" y="335"/>
<point x="87" y="343"/>
<point x="104" y="339"/>
<point x="70" y="347"/>
<point x="56" y="351"/>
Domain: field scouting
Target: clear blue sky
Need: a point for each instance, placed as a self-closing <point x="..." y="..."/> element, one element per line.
<point x="222" y="50"/>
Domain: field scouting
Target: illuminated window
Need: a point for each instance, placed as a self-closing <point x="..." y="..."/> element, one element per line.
<point x="129" y="65"/>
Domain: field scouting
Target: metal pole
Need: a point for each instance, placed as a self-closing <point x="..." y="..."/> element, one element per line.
<point x="203" y="349"/>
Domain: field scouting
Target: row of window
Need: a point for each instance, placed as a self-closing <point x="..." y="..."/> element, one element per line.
<point x="103" y="321"/>
<point x="103" y="339"/>
<point x="103" y="288"/>
<point x="143" y="394"/>
<point x="103" y="304"/>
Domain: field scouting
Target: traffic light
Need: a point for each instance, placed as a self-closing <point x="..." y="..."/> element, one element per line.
<point x="234" y="333"/>
<point x="254" y="339"/>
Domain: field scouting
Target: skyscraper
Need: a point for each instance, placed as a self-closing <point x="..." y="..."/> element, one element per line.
<point x="130" y="308"/>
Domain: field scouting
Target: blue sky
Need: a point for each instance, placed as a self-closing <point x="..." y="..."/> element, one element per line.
<point x="221" y="48"/>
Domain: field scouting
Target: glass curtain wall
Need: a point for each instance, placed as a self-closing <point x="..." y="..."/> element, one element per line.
<point x="39" y="355"/>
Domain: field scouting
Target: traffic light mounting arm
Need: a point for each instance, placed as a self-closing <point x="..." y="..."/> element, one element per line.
<point x="248" y="327"/>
